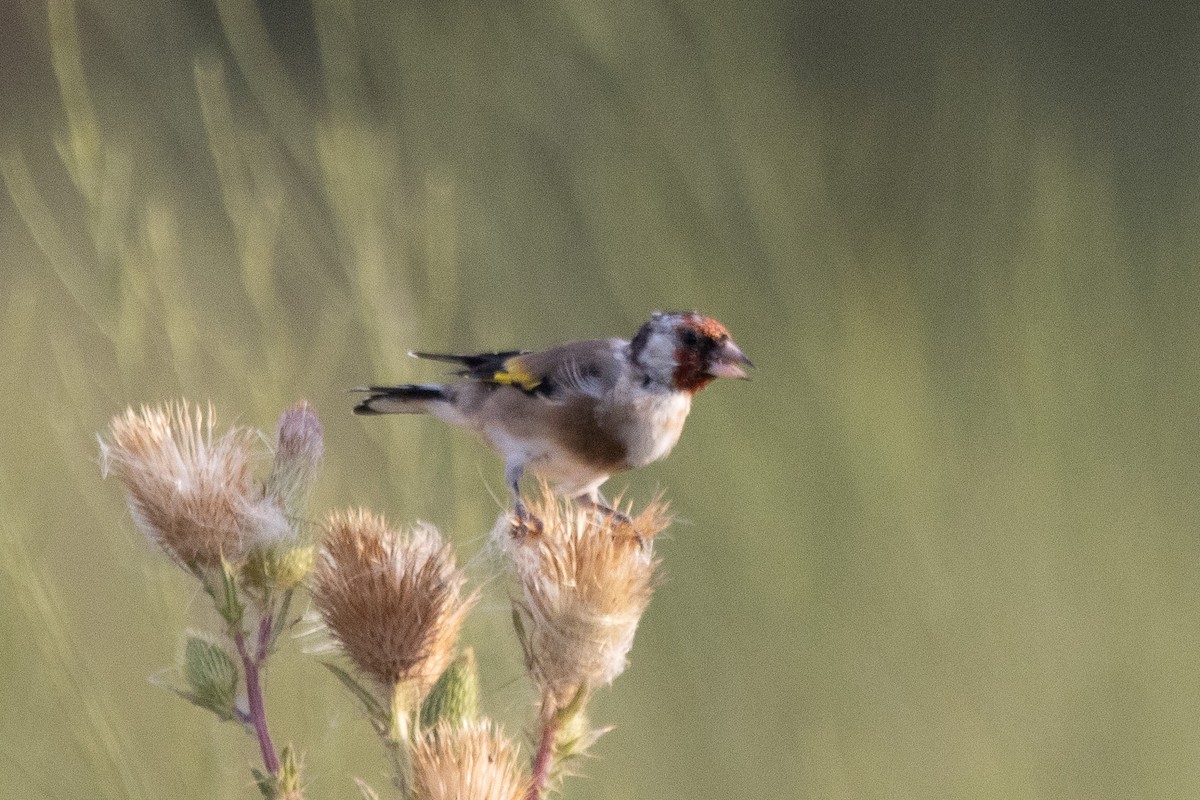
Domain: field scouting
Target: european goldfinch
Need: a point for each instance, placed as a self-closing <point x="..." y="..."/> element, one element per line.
<point x="577" y="413"/>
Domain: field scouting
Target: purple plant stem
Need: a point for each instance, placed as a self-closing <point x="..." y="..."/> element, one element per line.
<point x="545" y="755"/>
<point x="258" y="712"/>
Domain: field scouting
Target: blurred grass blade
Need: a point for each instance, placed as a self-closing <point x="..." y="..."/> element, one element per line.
<point x="72" y="271"/>
<point x="83" y="150"/>
<point x="268" y="80"/>
<point x="105" y="747"/>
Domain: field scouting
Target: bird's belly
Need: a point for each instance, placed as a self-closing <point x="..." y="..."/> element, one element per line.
<point x="569" y="476"/>
<point x="551" y="461"/>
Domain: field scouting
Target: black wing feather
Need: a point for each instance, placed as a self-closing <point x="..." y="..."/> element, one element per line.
<point x="481" y="366"/>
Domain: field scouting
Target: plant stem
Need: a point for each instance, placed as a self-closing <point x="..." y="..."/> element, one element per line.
<point x="545" y="756"/>
<point x="251" y="663"/>
<point x="397" y="739"/>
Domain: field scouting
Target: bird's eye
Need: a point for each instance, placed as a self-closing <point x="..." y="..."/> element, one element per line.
<point x="689" y="338"/>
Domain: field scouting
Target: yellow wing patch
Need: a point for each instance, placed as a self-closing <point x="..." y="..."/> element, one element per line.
<point x="514" y="374"/>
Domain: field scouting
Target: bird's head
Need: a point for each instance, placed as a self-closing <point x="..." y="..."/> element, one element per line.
<point x="685" y="351"/>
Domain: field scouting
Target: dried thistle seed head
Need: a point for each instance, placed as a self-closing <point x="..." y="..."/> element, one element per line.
<point x="584" y="582"/>
<point x="393" y="600"/>
<point x="191" y="494"/>
<point x="473" y="760"/>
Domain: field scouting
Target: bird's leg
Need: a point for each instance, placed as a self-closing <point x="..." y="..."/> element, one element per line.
<point x="526" y="521"/>
<point x="596" y="502"/>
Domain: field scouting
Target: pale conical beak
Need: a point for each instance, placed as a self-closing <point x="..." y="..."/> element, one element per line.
<point x="727" y="362"/>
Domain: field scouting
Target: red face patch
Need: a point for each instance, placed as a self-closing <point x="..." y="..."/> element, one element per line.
<point x="689" y="375"/>
<point x="707" y="326"/>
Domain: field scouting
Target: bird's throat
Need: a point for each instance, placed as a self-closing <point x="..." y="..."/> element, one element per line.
<point x="689" y="375"/>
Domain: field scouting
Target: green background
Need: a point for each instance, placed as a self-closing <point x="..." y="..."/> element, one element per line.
<point x="943" y="545"/>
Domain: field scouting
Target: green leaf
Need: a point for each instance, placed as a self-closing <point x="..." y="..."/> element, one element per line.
<point x="281" y="621"/>
<point x="264" y="782"/>
<point x="229" y="605"/>
<point x="368" y="700"/>
<point x="212" y="676"/>
<point x="519" y="627"/>
<point x="186" y="695"/>
<point x="574" y="707"/>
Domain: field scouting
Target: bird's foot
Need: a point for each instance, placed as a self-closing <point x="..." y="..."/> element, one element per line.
<point x="619" y="517"/>
<point x="527" y="521"/>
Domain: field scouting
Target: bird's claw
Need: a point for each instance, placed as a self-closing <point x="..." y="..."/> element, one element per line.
<point x="527" y="522"/>
<point x="619" y="517"/>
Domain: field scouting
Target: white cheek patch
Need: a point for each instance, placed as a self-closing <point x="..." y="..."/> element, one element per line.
<point x="658" y="356"/>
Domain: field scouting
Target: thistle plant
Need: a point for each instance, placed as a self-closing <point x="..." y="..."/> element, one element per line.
<point x="195" y="496"/>
<point x="584" y="579"/>
<point x="392" y="601"/>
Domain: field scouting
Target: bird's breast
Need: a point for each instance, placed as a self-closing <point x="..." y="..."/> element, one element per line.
<point x="652" y="425"/>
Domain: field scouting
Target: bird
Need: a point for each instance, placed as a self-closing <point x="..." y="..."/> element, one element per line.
<point x="577" y="413"/>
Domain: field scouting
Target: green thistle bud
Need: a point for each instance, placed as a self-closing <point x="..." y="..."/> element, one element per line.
<point x="288" y="780"/>
<point x="279" y="568"/>
<point x="454" y="699"/>
<point x="211" y="675"/>
<point x="285" y="785"/>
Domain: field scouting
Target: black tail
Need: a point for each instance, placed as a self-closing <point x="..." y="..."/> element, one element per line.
<point x="408" y="399"/>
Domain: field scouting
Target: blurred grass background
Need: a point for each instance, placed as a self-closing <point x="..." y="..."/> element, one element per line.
<point x="944" y="545"/>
